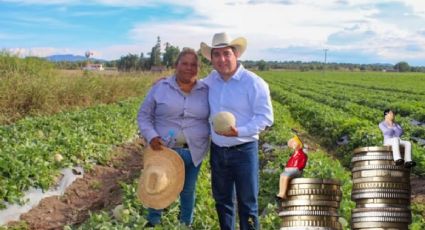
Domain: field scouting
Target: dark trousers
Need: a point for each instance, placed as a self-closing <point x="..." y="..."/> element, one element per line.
<point x="234" y="172"/>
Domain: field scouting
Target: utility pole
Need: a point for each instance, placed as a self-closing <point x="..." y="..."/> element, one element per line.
<point x="324" y="66"/>
<point x="326" y="51"/>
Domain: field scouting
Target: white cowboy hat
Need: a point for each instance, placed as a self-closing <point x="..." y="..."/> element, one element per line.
<point x="162" y="178"/>
<point x="221" y="40"/>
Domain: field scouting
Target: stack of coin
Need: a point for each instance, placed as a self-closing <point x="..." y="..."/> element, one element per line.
<point x="381" y="190"/>
<point x="311" y="204"/>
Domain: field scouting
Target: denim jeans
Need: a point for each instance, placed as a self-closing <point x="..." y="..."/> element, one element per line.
<point x="187" y="196"/>
<point x="234" y="171"/>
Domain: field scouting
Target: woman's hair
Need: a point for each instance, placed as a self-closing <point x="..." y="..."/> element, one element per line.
<point x="186" y="51"/>
<point x="386" y="111"/>
<point x="298" y="141"/>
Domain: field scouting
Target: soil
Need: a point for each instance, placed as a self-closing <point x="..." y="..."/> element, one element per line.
<point x="99" y="189"/>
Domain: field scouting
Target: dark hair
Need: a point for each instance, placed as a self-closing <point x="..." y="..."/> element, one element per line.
<point x="386" y="111"/>
<point x="186" y="51"/>
<point x="234" y="50"/>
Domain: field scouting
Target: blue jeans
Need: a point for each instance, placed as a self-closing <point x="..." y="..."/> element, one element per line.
<point x="234" y="172"/>
<point x="187" y="196"/>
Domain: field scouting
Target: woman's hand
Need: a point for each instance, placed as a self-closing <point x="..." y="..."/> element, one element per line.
<point x="156" y="143"/>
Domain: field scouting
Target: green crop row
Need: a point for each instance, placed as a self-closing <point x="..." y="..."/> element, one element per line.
<point x="356" y="109"/>
<point x="330" y="119"/>
<point x="411" y="107"/>
<point x="81" y="137"/>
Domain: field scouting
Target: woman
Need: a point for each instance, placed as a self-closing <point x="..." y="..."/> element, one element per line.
<point x="175" y="114"/>
<point x="294" y="167"/>
<point x="392" y="133"/>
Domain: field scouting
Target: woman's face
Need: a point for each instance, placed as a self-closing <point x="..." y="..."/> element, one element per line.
<point x="187" y="68"/>
<point x="390" y="116"/>
<point x="292" y="143"/>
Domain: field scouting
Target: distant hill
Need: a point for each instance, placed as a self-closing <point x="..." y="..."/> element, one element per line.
<point x="69" y="58"/>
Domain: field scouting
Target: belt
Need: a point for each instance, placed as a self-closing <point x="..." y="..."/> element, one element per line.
<point x="184" y="146"/>
<point x="233" y="146"/>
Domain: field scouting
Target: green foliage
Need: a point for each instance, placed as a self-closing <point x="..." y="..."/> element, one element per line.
<point x="31" y="87"/>
<point x="170" y="55"/>
<point x="262" y="65"/>
<point x="338" y="105"/>
<point x="82" y="137"/>
<point x="418" y="216"/>
<point x="155" y="59"/>
<point x="402" y="66"/>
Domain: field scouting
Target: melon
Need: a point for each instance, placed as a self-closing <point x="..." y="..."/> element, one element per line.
<point x="222" y="121"/>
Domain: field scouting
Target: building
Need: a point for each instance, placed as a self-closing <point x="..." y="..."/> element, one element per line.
<point x="96" y="67"/>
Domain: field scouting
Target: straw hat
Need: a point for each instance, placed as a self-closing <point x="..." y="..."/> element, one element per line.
<point x="162" y="178"/>
<point x="223" y="120"/>
<point x="221" y="40"/>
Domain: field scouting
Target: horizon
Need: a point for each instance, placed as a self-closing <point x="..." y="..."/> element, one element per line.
<point x="346" y="31"/>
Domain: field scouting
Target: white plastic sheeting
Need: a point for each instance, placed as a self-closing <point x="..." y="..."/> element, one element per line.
<point x="35" y="195"/>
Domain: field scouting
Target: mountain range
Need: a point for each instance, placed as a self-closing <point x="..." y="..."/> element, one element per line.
<point x="69" y="58"/>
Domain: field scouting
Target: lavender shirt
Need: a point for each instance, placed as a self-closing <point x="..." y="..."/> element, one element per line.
<point x="167" y="108"/>
<point x="390" y="132"/>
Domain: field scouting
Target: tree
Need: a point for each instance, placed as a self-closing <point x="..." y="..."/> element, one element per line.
<point x="402" y="66"/>
<point x="170" y="55"/>
<point x="156" y="53"/>
<point x="128" y="62"/>
<point x="262" y="65"/>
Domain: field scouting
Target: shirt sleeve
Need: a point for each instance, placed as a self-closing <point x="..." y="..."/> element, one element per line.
<point x="262" y="109"/>
<point x="383" y="128"/>
<point x="146" y="115"/>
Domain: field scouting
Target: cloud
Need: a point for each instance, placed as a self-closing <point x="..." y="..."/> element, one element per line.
<point x="382" y="30"/>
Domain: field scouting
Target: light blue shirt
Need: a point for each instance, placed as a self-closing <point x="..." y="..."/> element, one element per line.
<point x="166" y="108"/>
<point x="390" y="131"/>
<point x="247" y="96"/>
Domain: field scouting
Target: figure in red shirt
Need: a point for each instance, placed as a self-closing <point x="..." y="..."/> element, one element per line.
<point x="294" y="167"/>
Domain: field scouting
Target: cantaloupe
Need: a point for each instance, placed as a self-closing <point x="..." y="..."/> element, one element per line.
<point x="222" y="121"/>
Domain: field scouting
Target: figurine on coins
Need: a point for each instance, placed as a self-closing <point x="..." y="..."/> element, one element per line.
<point x="294" y="167"/>
<point x="392" y="132"/>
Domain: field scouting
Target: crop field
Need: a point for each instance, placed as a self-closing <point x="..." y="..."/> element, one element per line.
<point x="334" y="112"/>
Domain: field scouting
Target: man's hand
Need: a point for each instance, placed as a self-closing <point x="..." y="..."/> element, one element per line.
<point x="233" y="132"/>
<point x="156" y="143"/>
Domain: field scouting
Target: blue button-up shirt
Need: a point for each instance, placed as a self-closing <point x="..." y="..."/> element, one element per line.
<point x="247" y="96"/>
<point x="166" y="108"/>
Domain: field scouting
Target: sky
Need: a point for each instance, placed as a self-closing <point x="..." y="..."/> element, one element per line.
<point x="348" y="31"/>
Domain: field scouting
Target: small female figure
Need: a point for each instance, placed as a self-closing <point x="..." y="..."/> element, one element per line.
<point x="392" y="132"/>
<point x="294" y="167"/>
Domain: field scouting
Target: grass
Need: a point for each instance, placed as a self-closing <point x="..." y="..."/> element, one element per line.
<point x="33" y="87"/>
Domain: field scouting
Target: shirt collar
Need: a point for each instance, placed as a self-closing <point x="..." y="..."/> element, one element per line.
<point x="173" y="83"/>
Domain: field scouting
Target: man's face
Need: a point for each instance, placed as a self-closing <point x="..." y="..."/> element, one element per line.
<point x="224" y="60"/>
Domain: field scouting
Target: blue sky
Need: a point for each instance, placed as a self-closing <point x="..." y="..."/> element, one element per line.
<point x="353" y="31"/>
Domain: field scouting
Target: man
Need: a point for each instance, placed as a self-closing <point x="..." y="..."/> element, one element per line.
<point x="234" y="153"/>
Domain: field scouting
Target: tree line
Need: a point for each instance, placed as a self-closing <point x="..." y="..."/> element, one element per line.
<point x="320" y="66"/>
<point x="166" y="59"/>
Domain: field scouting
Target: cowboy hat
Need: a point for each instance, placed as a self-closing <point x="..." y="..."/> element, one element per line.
<point x="162" y="178"/>
<point x="221" y="40"/>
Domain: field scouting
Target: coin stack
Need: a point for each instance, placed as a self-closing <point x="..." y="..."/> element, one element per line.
<point x="381" y="190"/>
<point x="311" y="204"/>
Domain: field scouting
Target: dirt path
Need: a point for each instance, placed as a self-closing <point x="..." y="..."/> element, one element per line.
<point x="98" y="189"/>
